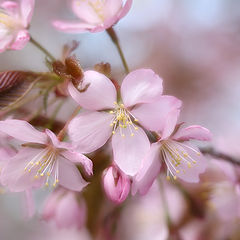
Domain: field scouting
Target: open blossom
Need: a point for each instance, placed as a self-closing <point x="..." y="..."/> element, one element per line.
<point x="42" y="159"/>
<point x="14" y="21"/>
<point x="94" y="15"/>
<point x="141" y="102"/>
<point x="116" y="184"/>
<point x="65" y="209"/>
<point x="182" y="160"/>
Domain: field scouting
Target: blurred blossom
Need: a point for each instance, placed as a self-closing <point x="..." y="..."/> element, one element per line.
<point x="145" y="217"/>
<point x="116" y="184"/>
<point x="14" y="22"/>
<point x="66" y="209"/>
<point x="95" y="15"/>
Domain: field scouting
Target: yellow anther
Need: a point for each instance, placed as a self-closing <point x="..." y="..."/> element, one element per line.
<point x="175" y="177"/>
<point x="115" y="103"/>
<point x="168" y="178"/>
<point x="29" y="170"/>
<point x="111" y="125"/>
<point x="198" y="153"/>
<point x="36" y="177"/>
<point x="135" y="119"/>
<point x="136" y="128"/>
<point x="111" y="112"/>
<point x="132" y="134"/>
<point x="48" y="174"/>
<point x="54" y="185"/>
<point x="57" y="181"/>
<point x="185" y="155"/>
<point x="25" y="169"/>
<point x="189" y="164"/>
<point x="37" y="163"/>
<point x="113" y="132"/>
<point x="46" y="184"/>
<point x="194" y="162"/>
<point x="41" y="174"/>
<point x="177" y="171"/>
<point x="121" y="105"/>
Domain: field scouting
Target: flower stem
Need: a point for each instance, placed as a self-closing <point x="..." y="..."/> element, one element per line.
<point x="214" y="153"/>
<point x="112" y="34"/>
<point x="41" y="48"/>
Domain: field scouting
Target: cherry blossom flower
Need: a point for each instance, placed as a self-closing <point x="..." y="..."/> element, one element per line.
<point x="141" y="103"/>
<point x="182" y="160"/>
<point x="65" y="209"/>
<point x="116" y="184"/>
<point x="14" y="21"/>
<point x="41" y="159"/>
<point x="94" y="15"/>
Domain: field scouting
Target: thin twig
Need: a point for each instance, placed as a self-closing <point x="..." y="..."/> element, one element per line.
<point x="44" y="50"/>
<point x="214" y="153"/>
<point x="115" y="40"/>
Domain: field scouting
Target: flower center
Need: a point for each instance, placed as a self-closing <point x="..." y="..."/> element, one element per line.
<point x="7" y="20"/>
<point x="123" y="119"/>
<point x="175" y="155"/>
<point x="97" y="6"/>
<point x="45" y="164"/>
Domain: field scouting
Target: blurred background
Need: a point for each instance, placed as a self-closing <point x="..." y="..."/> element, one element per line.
<point x="192" y="45"/>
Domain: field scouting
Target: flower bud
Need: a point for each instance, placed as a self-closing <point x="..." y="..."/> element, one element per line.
<point x="65" y="210"/>
<point x="116" y="184"/>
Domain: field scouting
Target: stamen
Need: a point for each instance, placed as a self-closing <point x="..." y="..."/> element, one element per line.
<point x="122" y="119"/>
<point x="174" y="155"/>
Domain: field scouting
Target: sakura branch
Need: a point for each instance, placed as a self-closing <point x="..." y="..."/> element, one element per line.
<point x="123" y="135"/>
<point x="216" y="154"/>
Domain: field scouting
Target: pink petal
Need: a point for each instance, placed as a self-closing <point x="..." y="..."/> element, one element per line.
<point x="72" y="27"/>
<point x="76" y="157"/>
<point x="187" y="172"/>
<point x="70" y="212"/>
<point x="112" y="8"/>
<point x="85" y="11"/>
<point x="170" y="123"/>
<point x="125" y="9"/>
<point x="29" y="203"/>
<point x="141" y="86"/>
<point x="148" y="172"/>
<point x="5" y="42"/>
<point x="129" y="151"/>
<point x="12" y="8"/>
<point x="49" y="210"/>
<point x="56" y="143"/>
<point x="27" y="7"/>
<point x="89" y="131"/>
<point x="69" y="175"/>
<point x="23" y="131"/>
<point x="101" y="93"/>
<point x="193" y="132"/>
<point x="153" y="115"/>
<point x="21" y="40"/>
<point x="14" y="175"/>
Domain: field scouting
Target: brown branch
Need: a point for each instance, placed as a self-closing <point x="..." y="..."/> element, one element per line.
<point x="214" y="153"/>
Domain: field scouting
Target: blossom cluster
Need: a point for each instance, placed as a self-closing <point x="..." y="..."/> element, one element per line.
<point x="134" y="123"/>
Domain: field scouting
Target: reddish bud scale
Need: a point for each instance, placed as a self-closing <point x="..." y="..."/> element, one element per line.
<point x="9" y="79"/>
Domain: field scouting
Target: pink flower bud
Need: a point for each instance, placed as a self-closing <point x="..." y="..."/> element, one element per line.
<point x="116" y="184"/>
<point x="64" y="209"/>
